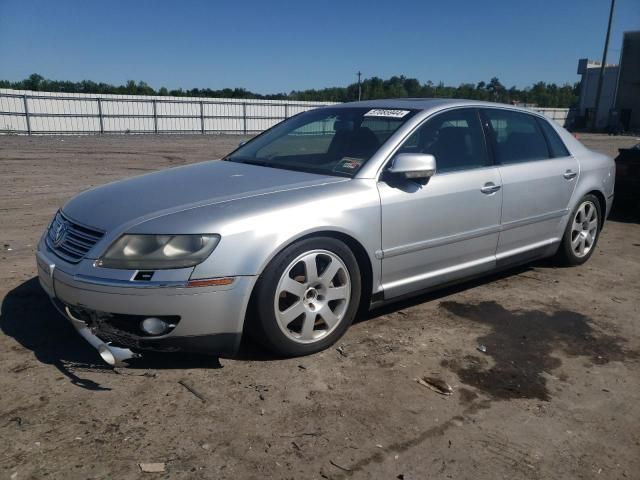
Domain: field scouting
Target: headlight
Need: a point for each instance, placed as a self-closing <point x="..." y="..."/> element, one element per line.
<point x="156" y="252"/>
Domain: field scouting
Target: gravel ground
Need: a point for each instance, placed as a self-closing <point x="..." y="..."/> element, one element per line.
<point x="555" y="395"/>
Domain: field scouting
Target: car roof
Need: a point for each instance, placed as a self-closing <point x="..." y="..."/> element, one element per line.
<point x="427" y="104"/>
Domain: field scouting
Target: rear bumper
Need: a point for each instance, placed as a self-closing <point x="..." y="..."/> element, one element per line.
<point x="211" y="319"/>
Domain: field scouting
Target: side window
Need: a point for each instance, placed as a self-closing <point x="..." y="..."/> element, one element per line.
<point x="556" y="145"/>
<point x="454" y="138"/>
<point x="517" y="137"/>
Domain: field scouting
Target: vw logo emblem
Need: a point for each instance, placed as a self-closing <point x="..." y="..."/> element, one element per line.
<point x="59" y="234"/>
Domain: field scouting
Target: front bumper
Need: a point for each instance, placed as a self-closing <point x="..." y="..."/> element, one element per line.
<point x="211" y="319"/>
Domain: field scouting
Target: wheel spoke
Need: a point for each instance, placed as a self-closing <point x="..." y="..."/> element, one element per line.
<point x="292" y="286"/>
<point x="290" y="314"/>
<point x="589" y="240"/>
<point x="593" y="224"/>
<point x="582" y="244"/>
<point x="337" y="293"/>
<point x="330" y="272"/>
<point x="307" y="326"/>
<point x="328" y="316"/>
<point x="576" y="227"/>
<point x="576" y="242"/>
<point x="311" y="269"/>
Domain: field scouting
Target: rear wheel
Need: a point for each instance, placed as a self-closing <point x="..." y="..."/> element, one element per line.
<point x="307" y="296"/>
<point x="582" y="231"/>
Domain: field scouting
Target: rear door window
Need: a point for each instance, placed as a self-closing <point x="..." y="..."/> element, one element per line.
<point x="556" y="145"/>
<point x="516" y="137"/>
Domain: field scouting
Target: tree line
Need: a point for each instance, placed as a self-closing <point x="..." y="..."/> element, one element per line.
<point x="541" y="93"/>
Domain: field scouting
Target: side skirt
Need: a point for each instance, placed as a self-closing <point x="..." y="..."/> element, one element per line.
<point x="378" y="300"/>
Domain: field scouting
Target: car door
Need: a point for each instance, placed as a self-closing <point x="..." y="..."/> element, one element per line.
<point x="538" y="178"/>
<point x="447" y="228"/>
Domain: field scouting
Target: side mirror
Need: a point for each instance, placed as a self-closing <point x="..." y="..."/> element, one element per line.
<point x="414" y="166"/>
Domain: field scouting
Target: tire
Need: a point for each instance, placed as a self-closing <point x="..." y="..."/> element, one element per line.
<point x="297" y="311"/>
<point x="582" y="232"/>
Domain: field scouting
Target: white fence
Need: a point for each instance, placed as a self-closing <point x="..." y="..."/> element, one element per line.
<point x="28" y="112"/>
<point x="562" y="116"/>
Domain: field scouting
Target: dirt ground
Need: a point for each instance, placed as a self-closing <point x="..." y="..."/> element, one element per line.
<point x="555" y="395"/>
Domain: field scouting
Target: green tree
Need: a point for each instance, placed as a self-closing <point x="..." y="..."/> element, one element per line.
<point x="540" y="93"/>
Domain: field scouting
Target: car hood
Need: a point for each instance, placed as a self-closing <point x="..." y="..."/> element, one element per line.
<point x="142" y="198"/>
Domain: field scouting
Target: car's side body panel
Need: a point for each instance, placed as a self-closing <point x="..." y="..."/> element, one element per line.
<point x="597" y="174"/>
<point x="438" y="232"/>
<point x="535" y="202"/>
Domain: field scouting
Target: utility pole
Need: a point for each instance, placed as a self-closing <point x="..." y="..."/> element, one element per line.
<point x="604" y="61"/>
<point x="359" y="86"/>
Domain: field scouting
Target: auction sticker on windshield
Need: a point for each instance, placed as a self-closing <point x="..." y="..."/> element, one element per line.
<point x="383" y="112"/>
<point x="348" y="165"/>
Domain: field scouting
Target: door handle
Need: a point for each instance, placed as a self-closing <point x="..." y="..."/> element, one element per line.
<point x="489" y="188"/>
<point x="569" y="174"/>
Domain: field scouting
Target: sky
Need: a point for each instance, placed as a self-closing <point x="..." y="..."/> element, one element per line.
<point x="275" y="46"/>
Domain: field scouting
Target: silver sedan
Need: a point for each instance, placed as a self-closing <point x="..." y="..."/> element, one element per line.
<point x="330" y="212"/>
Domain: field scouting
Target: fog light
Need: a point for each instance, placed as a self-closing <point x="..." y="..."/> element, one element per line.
<point x="154" y="326"/>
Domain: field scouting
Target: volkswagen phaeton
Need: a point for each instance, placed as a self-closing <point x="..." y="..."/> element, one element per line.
<point x="328" y="213"/>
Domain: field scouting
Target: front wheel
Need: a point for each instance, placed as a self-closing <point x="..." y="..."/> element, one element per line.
<point x="307" y="296"/>
<point x="582" y="231"/>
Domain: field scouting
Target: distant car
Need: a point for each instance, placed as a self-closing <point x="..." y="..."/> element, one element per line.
<point x="628" y="179"/>
<point x="338" y="208"/>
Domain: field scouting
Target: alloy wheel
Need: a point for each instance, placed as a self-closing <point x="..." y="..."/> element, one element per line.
<point x="584" y="229"/>
<point x="312" y="296"/>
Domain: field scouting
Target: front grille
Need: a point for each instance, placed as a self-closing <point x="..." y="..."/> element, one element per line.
<point x="125" y="341"/>
<point x="70" y="240"/>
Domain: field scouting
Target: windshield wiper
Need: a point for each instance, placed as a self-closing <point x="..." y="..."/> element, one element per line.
<point x="249" y="160"/>
<point x="260" y="163"/>
<point x="280" y="166"/>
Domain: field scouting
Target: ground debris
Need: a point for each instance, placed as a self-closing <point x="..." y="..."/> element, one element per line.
<point x="341" y="351"/>
<point x="193" y="391"/>
<point x="339" y="466"/>
<point x="436" y="384"/>
<point x="302" y="434"/>
<point x="18" y="421"/>
<point x="152" y="467"/>
<point x="482" y="348"/>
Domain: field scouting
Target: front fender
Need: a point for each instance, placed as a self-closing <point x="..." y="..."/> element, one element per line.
<point x="254" y="230"/>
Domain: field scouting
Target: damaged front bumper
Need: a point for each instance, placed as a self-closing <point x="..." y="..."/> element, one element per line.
<point x="107" y="313"/>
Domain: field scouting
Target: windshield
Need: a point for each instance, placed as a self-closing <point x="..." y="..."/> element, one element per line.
<point x="328" y="141"/>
